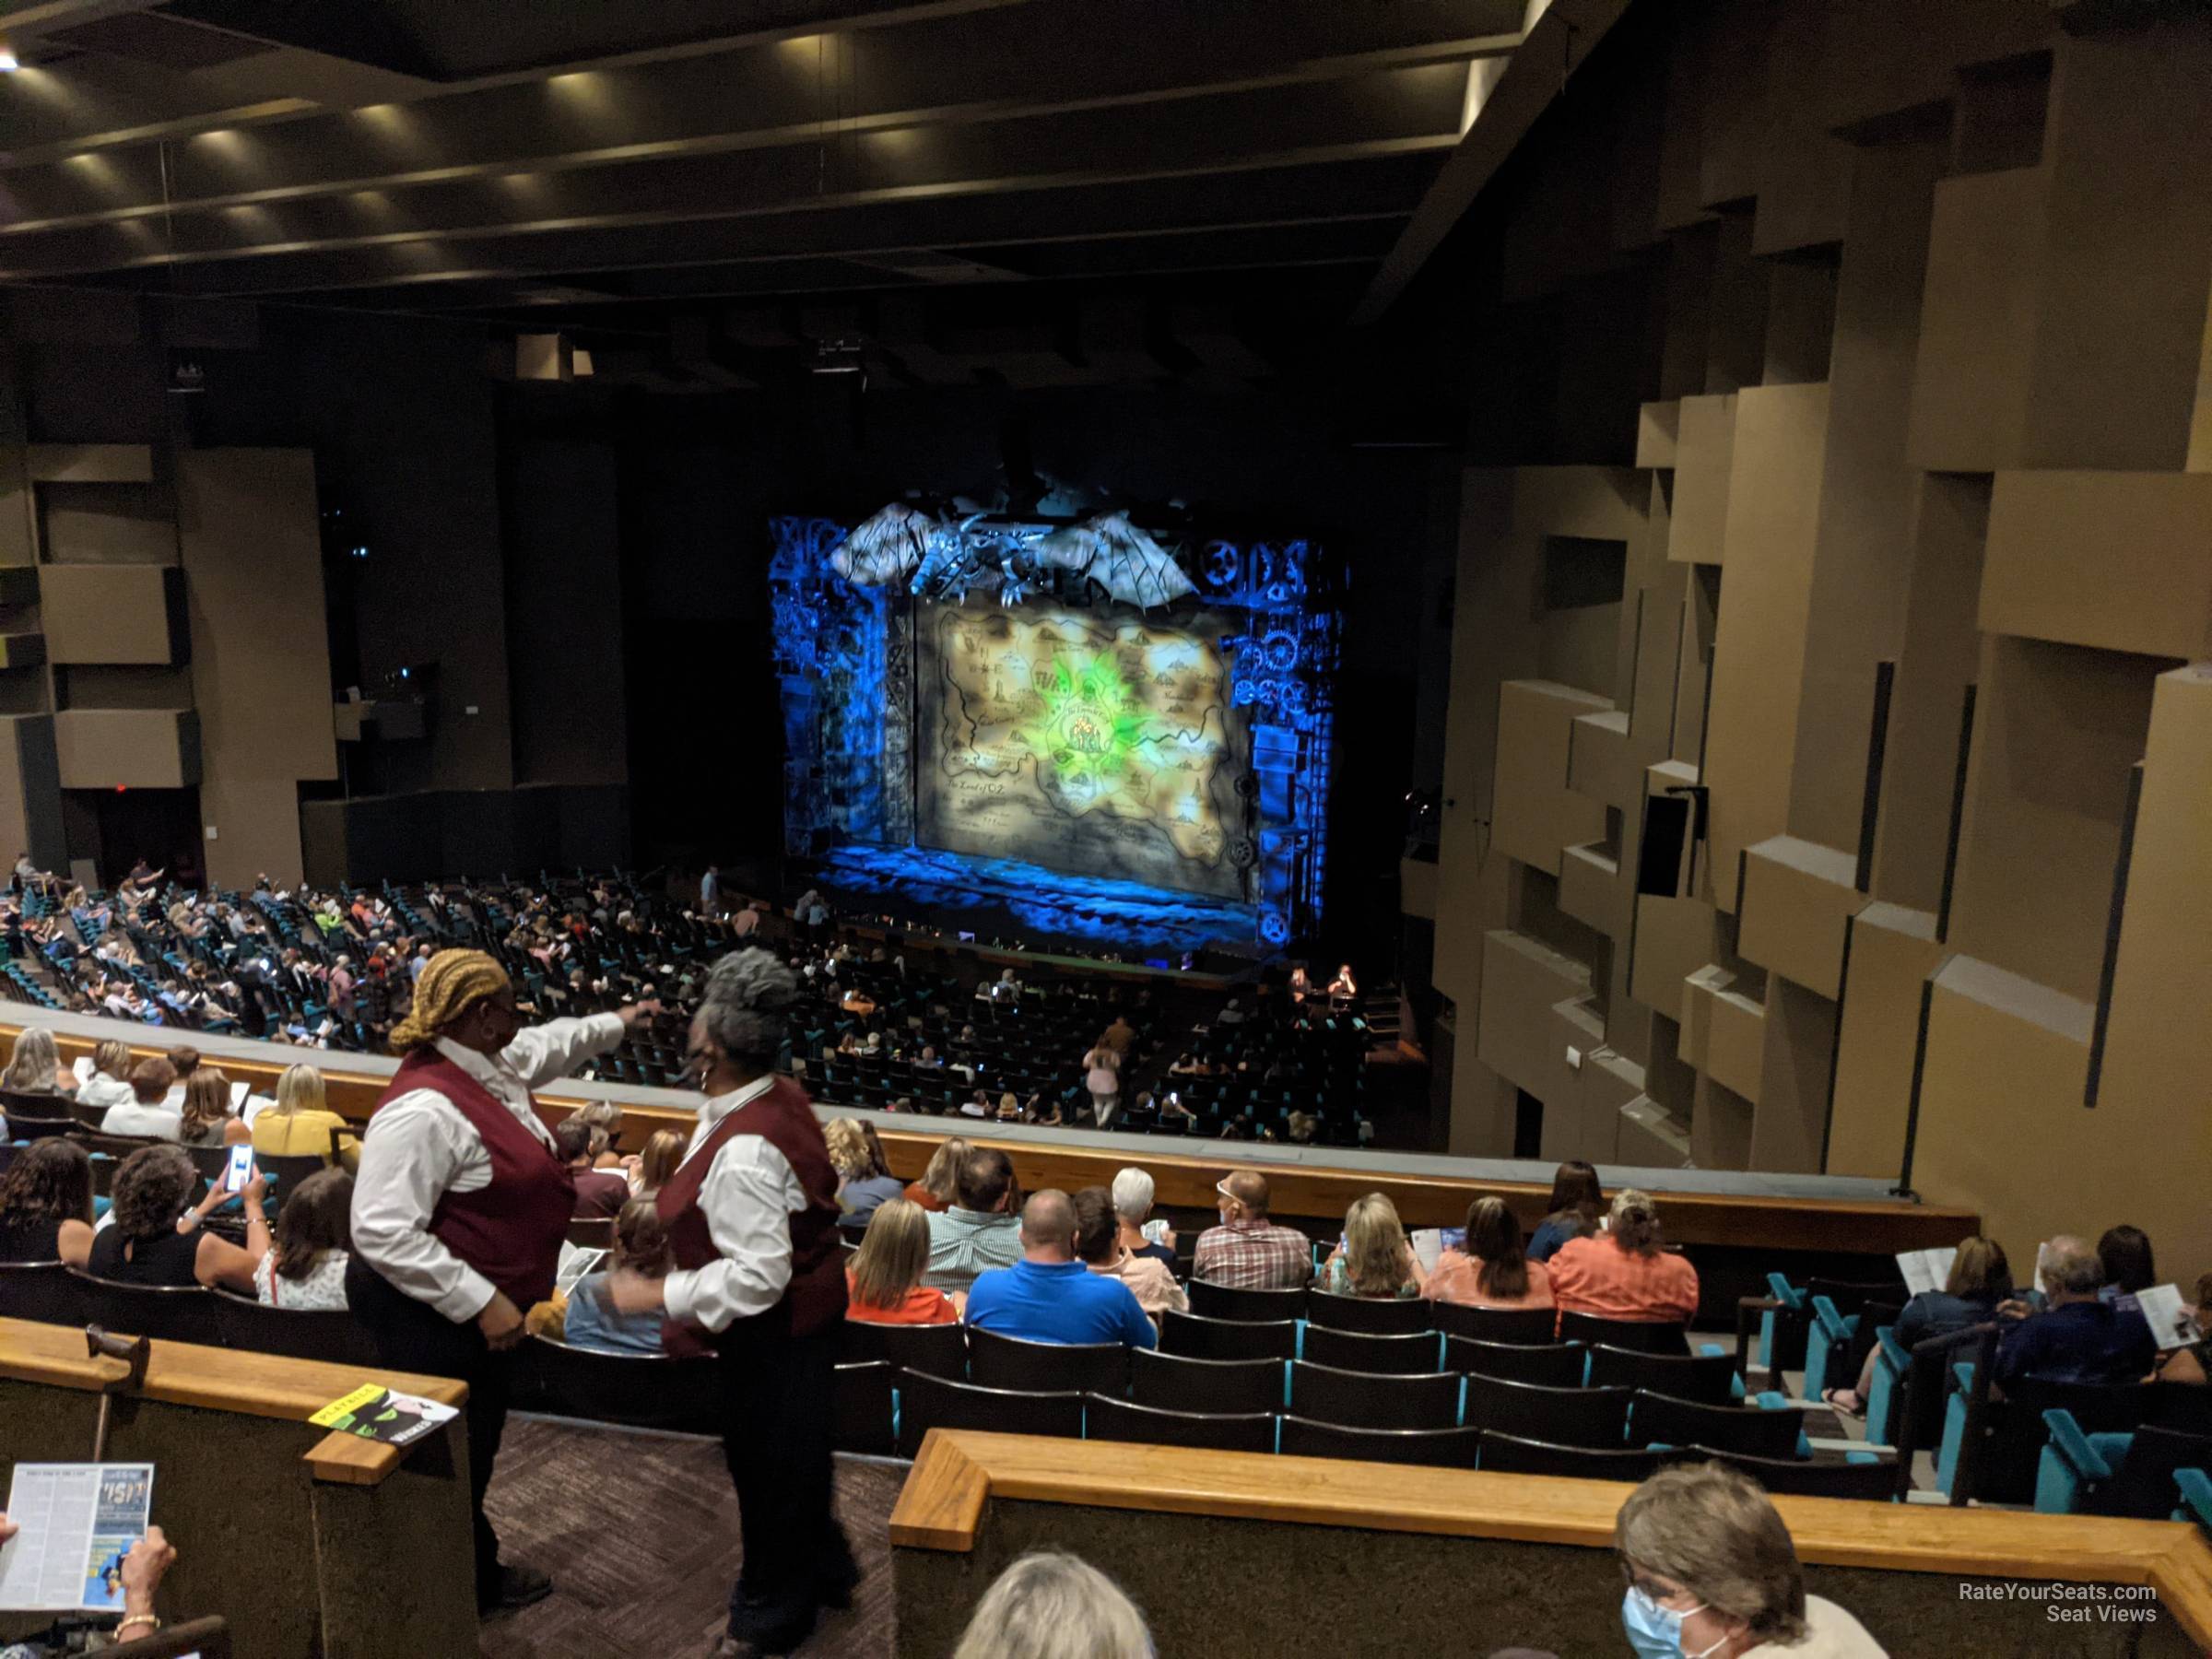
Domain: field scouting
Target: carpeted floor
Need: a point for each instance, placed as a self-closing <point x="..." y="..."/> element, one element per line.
<point x="640" y="1533"/>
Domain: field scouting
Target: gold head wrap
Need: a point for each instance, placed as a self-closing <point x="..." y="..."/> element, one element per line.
<point x="452" y="982"/>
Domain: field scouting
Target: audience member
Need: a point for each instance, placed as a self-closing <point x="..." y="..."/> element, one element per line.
<point x="143" y="1114"/>
<point x="935" y="1189"/>
<point x="1711" y="1571"/>
<point x="1103" y="1079"/>
<point x="109" y="1083"/>
<point x="1624" y="1273"/>
<point x="1048" y="1295"/>
<point x="1980" y="1279"/>
<point x="590" y="1319"/>
<point x="1248" y="1251"/>
<point x="1577" y="1205"/>
<point x="883" y="1277"/>
<point x="2128" y="1268"/>
<point x="140" y="1575"/>
<point x="2079" y="1336"/>
<point x="299" y="1125"/>
<point x="605" y="1116"/>
<point x="46" y="1204"/>
<point x="1133" y="1190"/>
<point x="34" y="1066"/>
<point x="863" y="1181"/>
<point x="156" y="1238"/>
<point x="305" y="1266"/>
<point x="1051" y="1605"/>
<point x="981" y="1229"/>
<point x="206" y="1119"/>
<point x="1376" y="1260"/>
<point x="1099" y="1246"/>
<point x="600" y="1194"/>
<point x="2191" y="1364"/>
<point x="1490" y="1270"/>
<point x="663" y="1154"/>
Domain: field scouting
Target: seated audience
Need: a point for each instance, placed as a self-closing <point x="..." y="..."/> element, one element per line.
<point x="883" y="1277"/>
<point x="642" y="1247"/>
<point x="1577" y="1205"/>
<point x="863" y="1181"/>
<point x="206" y="1119"/>
<point x="143" y="1114"/>
<point x="299" y="1125"/>
<point x="1376" y="1259"/>
<point x="46" y="1204"/>
<point x="2128" y="1269"/>
<point x="1980" y="1279"/>
<point x="1048" y="1295"/>
<point x="1624" y="1273"/>
<point x="981" y="1229"/>
<point x="156" y="1238"/>
<point x="2192" y="1363"/>
<point x="34" y="1066"/>
<point x="1712" y="1570"/>
<point x="1133" y="1190"/>
<point x="1050" y="1605"/>
<point x="1099" y="1246"/>
<point x="2079" y="1336"/>
<point x="305" y="1266"/>
<point x="933" y="1191"/>
<point x="606" y="1117"/>
<point x="1490" y="1270"/>
<point x="1248" y="1251"/>
<point x="650" y="1169"/>
<point x="600" y="1194"/>
<point x="109" y="1083"/>
<point x="139" y="1576"/>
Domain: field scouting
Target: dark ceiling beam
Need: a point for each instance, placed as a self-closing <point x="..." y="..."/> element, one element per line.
<point x="24" y="21"/>
<point x="1401" y="111"/>
<point x="1535" y="74"/>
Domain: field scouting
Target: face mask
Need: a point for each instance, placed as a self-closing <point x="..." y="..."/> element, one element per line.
<point x="1655" y="1632"/>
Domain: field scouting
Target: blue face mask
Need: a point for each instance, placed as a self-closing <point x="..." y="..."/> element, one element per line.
<point x="1655" y="1632"/>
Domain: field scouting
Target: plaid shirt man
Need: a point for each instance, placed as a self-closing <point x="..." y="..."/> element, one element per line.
<point x="1254" y="1255"/>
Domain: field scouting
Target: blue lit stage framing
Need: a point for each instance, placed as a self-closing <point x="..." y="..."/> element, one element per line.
<point x="844" y="656"/>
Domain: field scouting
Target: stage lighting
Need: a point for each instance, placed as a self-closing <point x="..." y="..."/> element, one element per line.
<point x="9" y="64"/>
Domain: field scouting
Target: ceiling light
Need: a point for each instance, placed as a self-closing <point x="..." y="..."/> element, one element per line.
<point x="9" y="61"/>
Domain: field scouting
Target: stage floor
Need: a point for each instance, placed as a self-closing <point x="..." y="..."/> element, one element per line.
<point x="1003" y="898"/>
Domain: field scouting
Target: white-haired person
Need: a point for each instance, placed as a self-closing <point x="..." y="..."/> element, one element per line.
<point x="1049" y="1604"/>
<point x="461" y="1205"/>
<point x="751" y="1216"/>
<point x="1625" y="1273"/>
<point x="34" y="1066"/>
<point x="1712" y="1574"/>
<point x="1133" y="1191"/>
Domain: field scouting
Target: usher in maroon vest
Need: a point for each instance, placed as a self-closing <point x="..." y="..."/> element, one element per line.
<point x="784" y="1118"/>
<point x="510" y="1231"/>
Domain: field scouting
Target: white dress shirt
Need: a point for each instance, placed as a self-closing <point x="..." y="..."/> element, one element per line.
<point x="749" y="1195"/>
<point x="419" y="1147"/>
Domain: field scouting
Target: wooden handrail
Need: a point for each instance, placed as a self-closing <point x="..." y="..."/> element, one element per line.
<point x="941" y="1507"/>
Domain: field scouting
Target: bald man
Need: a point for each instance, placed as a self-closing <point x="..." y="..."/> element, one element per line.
<point x="1248" y="1251"/>
<point x="1049" y="1296"/>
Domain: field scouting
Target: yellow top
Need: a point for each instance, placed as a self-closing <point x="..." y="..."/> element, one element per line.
<point x="295" y="1133"/>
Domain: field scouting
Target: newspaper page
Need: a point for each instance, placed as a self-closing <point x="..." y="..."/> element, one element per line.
<point x="77" y="1522"/>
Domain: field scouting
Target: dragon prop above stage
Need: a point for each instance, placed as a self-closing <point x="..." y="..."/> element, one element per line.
<point x="943" y="557"/>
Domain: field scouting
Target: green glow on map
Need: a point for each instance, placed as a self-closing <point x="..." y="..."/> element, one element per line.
<point x="1090" y="725"/>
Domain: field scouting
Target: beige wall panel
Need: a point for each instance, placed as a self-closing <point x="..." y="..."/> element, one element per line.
<point x="1650" y="1139"/>
<point x="91" y="463"/>
<point x="1940" y="658"/>
<point x="1609" y="1082"/>
<point x="136" y="749"/>
<point x="1574" y="1024"/>
<point x="1483" y="1107"/>
<point x="1798" y="898"/>
<point x="2057" y="730"/>
<point x="1868" y="72"/>
<point x="1522" y="983"/>
<point x="1534" y="814"/>
<point x="1970" y="383"/>
<point x="18" y="507"/>
<point x="1704" y="459"/>
<point x="111" y="614"/>
<point x="252" y="543"/>
<point x="1600" y="762"/>
<point x="1720" y="1127"/>
<point x="1590" y="891"/>
<point x="2157" y="1047"/>
<point x="29" y="802"/>
<point x="1656" y="424"/>
<point x="2129" y="257"/>
<point x="1804" y="170"/>
<point x="1751" y="727"/>
<point x="1893" y="951"/>
<point x="106" y="523"/>
<point x="1700" y="620"/>
<point x="1673" y="939"/>
<point x="1790" y="1125"/>
<point x="1735" y="1052"/>
<point x="2121" y="560"/>
<point x="1579" y="646"/>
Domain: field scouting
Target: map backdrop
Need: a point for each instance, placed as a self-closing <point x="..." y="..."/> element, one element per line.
<point x="1093" y="742"/>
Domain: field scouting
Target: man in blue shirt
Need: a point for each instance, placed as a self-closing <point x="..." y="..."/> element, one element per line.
<point x="1049" y="1296"/>
<point x="2078" y="1338"/>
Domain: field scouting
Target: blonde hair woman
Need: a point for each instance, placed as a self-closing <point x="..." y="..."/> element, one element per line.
<point x="934" y="1190"/>
<point x="1375" y="1260"/>
<point x="34" y="1066"/>
<point x="1625" y="1273"/>
<point x="1053" y="1606"/>
<point x="208" y="1121"/>
<point x="883" y="1280"/>
<point x="863" y="1183"/>
<point x="299" y="1124"/>
<point x="605" y="1116"/>
<point x="109" y="1083"/>
<point x="649" y="1172"/>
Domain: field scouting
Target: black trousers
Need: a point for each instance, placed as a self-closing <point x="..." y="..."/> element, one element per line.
<point x="780" y="1391"/>
<point x="412" y="1336"/>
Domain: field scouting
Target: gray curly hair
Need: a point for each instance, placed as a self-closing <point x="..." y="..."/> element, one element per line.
<point x="743" y="1007"/>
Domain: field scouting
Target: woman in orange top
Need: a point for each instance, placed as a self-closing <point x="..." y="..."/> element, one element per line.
<point x="883" y="1282"/>
<point x="1491" y="1271"/>
<point x="933" y="1191"/>
<point x="1623" y="1273"/>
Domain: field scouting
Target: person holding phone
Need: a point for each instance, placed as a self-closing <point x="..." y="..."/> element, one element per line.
<point x="461" y="1205"/>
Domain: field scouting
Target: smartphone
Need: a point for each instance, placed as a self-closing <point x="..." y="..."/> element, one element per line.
<point x="239" y="1169"/>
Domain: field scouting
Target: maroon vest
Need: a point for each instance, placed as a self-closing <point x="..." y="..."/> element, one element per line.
<point x="816" y="1296"/>
<point x="510" y="1231"/>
